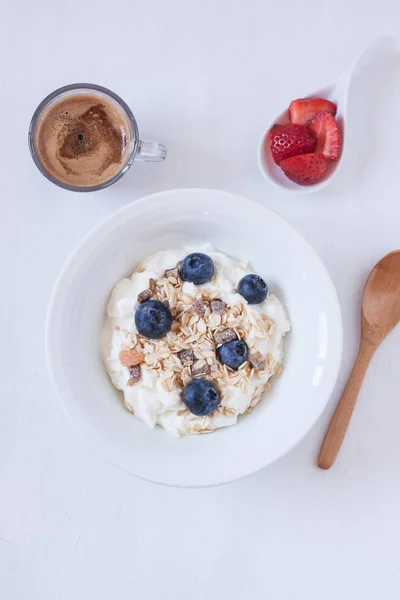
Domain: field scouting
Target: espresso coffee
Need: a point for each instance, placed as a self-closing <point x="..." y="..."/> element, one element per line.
<point x="83" y="140"/>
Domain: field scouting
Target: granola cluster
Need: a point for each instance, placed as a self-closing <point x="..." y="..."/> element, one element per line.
<point x="201" y="324"/>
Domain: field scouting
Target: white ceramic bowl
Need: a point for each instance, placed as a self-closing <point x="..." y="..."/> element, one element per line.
<point x="239" y="228"/>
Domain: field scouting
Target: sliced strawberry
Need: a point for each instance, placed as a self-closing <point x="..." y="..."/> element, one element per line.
<point x="305" y="169"/>
<point x="301" y="111"/>
<point x="289" y="140"/>
<point x="328" y="135"/>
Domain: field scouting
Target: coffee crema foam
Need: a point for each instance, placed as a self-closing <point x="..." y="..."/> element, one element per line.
<point x="83" y="140"/>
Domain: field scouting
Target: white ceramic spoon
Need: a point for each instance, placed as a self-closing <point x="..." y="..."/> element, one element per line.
<point x="381" y="48"/>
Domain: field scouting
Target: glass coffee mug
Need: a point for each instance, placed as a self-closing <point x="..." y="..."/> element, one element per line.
<point x="83" y="137"/>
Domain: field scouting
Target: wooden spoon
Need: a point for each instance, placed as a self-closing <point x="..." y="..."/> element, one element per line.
<point x="380" y="314"/>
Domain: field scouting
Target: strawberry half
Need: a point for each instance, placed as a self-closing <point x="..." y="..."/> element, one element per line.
<point x="290" y="140"/>
<point x="301" y="111"/>
<point x="305" y="169"/>
<point x="328" y="135"/>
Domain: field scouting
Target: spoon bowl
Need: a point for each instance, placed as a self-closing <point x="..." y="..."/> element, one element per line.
<point x="381" y="300"/>
<point x="337" y="92"/>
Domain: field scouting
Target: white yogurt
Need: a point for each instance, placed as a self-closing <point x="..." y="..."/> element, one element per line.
<point x="148" y="399"/>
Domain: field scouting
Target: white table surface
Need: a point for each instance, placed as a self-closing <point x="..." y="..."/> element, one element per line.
<point x="204" y="78"/>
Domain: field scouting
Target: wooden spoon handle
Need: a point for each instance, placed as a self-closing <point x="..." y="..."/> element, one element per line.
<point x="341" y="418"/>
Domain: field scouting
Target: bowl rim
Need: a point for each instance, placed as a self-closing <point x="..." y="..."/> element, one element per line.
<point x="86" y="430"/>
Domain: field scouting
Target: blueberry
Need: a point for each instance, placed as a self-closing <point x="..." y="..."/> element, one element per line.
<point x="197" y="268"/>
<point x="201" y="397"/>
<point x="253" y="288"/>
<point x="233" y="354"/>
<point x="153" y="319"/>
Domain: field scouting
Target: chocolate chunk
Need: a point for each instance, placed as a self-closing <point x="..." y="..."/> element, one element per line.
<point x="218" y="306"/>
<point x="145" y="295"/>
<point x="186" y="356"/>
<point x="224" y="336"/>
<point x="135" y="375"/>
<point x="200" y="367"/>
<point x="200" y="307"/>
<point x="257" y="361"/>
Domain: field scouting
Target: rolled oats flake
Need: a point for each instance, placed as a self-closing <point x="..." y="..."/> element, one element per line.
<point x="200" y="367"/>
<point x="270" y="363"/>
<point x="193" y="320"/>
<point x="149" y="360"/>
<point x="225" y="410"/>
<point x="267" y="387"/>
<point x="186" y="376"/>
<point x="201" y="326"/>
<point x="243" y="387"/>
<point x="186" y="299"/>
<point x="179" y="383"/>
<point x="183" y="411"/>
<point x="214" y="320"/>
<point x="174" y="273"/>
<point x="165" y="385"/>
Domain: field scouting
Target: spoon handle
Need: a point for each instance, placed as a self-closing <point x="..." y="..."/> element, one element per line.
<point x="341" y="418"/>
<point x="381" y="48"/>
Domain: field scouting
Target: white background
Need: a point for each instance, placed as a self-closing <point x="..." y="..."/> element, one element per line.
<point x="204" y="78"/>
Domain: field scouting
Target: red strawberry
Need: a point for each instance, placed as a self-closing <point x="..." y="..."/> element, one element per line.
<point x="301" y="111"/>
<point x="325" y="128"/>
<point x="289" y="140"/>
<point x="306" y="169"/>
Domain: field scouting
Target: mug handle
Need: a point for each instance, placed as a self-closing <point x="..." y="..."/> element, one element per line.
<point x="151" y="152"/>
